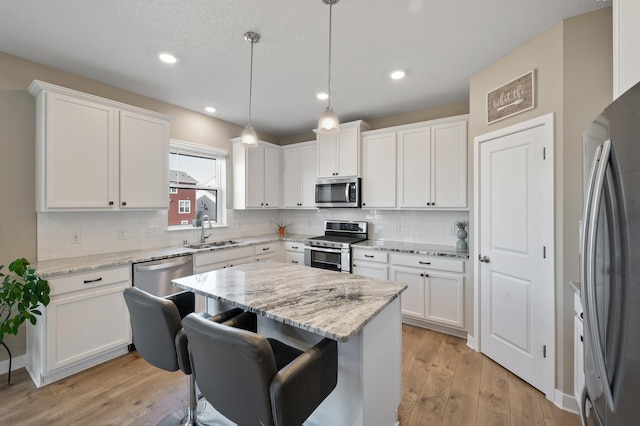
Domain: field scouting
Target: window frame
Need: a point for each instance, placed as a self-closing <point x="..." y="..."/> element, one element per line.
<point x="221" y="156"/>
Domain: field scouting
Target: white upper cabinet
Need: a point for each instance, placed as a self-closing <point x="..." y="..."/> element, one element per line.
<point x="339" y="153"/>
<point x="97" y="154"/>
<point x="414" y="168"/>
<point x="626" y="41"/>
<point x="449" y="165"/>
<point x="432" y="165"/>
<point x="256" y="175"/>
<point x="144" y="161"/>
<point x="299" y="175"/>
<point x="379" y="170"/>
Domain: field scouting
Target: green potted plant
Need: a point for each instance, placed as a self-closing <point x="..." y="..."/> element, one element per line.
<point x="21" y="295"/>
<point x="281" y="227"/>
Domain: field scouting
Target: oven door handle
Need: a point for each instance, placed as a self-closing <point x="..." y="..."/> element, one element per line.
<point x="326" y="250"/>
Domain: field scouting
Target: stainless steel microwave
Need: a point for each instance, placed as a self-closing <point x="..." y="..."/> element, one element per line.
<point x="338" y="192"/>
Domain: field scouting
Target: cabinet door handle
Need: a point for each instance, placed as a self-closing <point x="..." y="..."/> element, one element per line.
<point x="369" y="255"/>
<point x="124" y="203"/>
<point x="110" y="203"/>
<point x="294" y="247"/>
<point x="424" y="263"/>
<point x="265" y="248"/>
<point x="93" y="281"/>
<point x="294" y="261"/>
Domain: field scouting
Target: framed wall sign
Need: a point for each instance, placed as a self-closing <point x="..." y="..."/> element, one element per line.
<point x="512" y="98"/>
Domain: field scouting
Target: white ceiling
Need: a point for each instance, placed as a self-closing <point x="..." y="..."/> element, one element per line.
<point x="440" y="44"/>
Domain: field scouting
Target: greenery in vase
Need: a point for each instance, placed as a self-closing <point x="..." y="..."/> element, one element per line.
<point x="280" y="225"/>
<point x="20" y="296"/>
<point x="462" y="224"/>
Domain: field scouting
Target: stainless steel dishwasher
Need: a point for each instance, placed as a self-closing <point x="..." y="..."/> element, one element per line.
<point x="155" y="276"/>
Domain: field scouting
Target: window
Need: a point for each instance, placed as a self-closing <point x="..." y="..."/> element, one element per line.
<point x="197" y="180"/>
<point x="184" y="206"/>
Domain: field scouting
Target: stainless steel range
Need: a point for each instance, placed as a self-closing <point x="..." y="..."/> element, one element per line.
<point x="333" y="249"/>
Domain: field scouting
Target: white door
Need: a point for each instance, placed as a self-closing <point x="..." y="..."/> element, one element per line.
<point x="515" y="254"/>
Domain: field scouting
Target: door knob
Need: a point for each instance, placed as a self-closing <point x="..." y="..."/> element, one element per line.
<point x="484" y="259"/>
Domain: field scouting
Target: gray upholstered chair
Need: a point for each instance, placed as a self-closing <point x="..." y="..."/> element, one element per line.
<point x="159" y="338"/>
<point x="252" y="380"/>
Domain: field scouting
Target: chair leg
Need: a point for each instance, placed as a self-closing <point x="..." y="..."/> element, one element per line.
<point x="192" y="401"/>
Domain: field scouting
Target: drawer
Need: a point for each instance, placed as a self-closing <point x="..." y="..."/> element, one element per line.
<point x="216" y="256"/>
<point x="265" y="248"/>
<point x="371" y="255"/>
<point x="294" y="257"/>
<point x="89" y="280"/>
<point x="427" y="262"/>
<point x="294" y="246"/>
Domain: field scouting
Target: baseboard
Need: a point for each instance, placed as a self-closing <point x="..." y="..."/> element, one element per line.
<point x="472" y="343"/>
<point x="566" y="402"/>
<point x="16" y="363"/>
<point x="436" y="327"/>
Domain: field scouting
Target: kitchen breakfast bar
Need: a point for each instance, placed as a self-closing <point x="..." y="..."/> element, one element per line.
<point x="300" y="305"/>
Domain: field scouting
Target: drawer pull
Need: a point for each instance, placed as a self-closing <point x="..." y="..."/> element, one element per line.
<point x="295" y="247"/>
<point x="369" y="255"/>
<point x="265" y="248"/>
<point x="424" y="263"/>
<point x="92" y="281"/>
<point x="294" y="261"/>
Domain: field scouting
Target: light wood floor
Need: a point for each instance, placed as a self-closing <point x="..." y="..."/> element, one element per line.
<point x="444" y="383"/>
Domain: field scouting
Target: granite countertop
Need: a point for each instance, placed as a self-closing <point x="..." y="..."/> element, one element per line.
<point x="330" y="304"/>
<point x="414" y="248"/>
<point x="50" y="268"/>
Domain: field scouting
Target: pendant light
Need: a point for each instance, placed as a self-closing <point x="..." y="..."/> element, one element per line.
<point x="328" y="122"/>
<point x="248" y="136"/>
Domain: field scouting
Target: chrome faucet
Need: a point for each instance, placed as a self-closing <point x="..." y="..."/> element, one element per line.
<point x="202" y="236"/>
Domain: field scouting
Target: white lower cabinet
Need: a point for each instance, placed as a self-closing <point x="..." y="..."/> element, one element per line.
<point x="266" y="251"/>
<point x="370" y="263"/>
<point x="219" y="259"/>
<point x="435" y="291"/>
<point x="294" y="252"/>
<point x="85" y="323"/>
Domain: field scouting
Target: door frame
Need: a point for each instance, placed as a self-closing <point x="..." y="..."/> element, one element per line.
<point x="547" y="122"/>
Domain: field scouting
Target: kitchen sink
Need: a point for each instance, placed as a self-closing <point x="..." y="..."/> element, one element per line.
<point x="223" y="243"/>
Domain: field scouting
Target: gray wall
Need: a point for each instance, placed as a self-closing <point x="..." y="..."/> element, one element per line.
<point x="573" y="61"/>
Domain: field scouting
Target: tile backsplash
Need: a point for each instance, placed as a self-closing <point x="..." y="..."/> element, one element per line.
<point x="62" y="235"/>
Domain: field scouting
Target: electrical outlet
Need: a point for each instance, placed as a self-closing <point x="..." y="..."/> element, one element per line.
<point x="399" y="227"/>
<point x="151" y="231"/>
<point x="75" y="238"/>
<point x="452" y="230"/>
<point x="122" y="235"/>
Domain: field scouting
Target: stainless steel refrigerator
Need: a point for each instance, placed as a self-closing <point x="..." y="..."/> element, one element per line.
<point x="610" y="265"/>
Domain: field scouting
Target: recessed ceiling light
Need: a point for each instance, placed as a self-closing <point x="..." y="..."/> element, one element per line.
<point x="397" y="75"/>
<point x="167" y="58"/>
<point x="210" y="109"/>
<point x="322" y="96"/>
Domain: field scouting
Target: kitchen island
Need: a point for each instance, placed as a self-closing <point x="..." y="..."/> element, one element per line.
<point x="300" y="306"/>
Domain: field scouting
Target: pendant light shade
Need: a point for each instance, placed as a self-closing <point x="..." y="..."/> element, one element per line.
<point x="328" y="122"/>
<point x="248" y="136"/>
